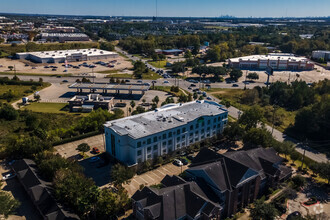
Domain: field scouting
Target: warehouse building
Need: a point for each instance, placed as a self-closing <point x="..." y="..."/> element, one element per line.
<point x="321" y="54"/>
<point x="60" y="56"/>
<point x="63" y="37"/>
<point x="278" y="61"/>
<point x="172" y="127"/>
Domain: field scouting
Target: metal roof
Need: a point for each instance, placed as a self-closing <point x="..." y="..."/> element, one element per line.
<point x="165" y="118"/>
<point x="132" y="87"/>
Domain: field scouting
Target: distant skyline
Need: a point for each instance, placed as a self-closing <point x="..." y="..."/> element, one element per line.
<point x="171" y="8"/>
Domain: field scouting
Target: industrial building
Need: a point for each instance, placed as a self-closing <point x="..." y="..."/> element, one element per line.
<point x="87" y="103"/>
<point x="278" y="61"/>
<point x="216" y="186"/>
<point x="321" y="54"/>
<point x="172" y="127"/>
<point x="60" y="56"/>
<point x="63" y="37"/>
<point x="169" y="52"/>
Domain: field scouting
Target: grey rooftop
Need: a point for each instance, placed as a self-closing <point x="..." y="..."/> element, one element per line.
<point x="165" y="118"/>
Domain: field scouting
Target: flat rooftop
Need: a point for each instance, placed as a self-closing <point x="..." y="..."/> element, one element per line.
<point x="273" y="56"/>
<point x="133" y="87"/>
<point x="64" y="53"/>
<point x="63" y="34"/>
<point x="165" y="118"/>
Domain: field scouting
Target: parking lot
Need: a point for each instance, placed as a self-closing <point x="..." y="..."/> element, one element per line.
<point x="153" y="177"/>
<point x="26" y="210"/>
<point x="68" y="150"/>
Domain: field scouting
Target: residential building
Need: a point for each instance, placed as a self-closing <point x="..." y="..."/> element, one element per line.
<point x="226" y="182"/>
<point x="172" y="127"/>
<point x="60" y="56"/>
<point x="86" y="103"/>
<point x="278" y="61"/>
<point x="178" y="200"/>
<point x="321" y="54"/>
<point x="39" y="191"/>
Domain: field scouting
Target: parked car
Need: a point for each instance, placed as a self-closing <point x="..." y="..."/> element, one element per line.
<point x="192" y="85"/>
<point x="127" y="80"/>
<point x="139" y="81"/>
<point x="95" y="150"/>
<point x="184" y="161"/>
<point x="189" y="87"/>
<point x="177" y="162"/>
<point x="94" y="159"/>
<point x="190" y="157"/>
<point x="27" y="65"/>
<point x="166" y="81"/>
<point x="154" y="81"/>
<point x="235" y="85"/>
<point x="8" y="176"/>
<point x="208" y="98"/>
<point x="65" y="81"/>
<point x="34" y="67"/>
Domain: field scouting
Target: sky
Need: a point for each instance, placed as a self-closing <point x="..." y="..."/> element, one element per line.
<point x="171" y="8"/>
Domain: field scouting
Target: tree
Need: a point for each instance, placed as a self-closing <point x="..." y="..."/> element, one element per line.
<point x="324" y="171"/>
<point x="252" y="76"/>
<point x="36" y="96"/>
<point x="263" y="211"/>
<point x="298" y="181"/>
<point x="132" y="103"/>
<point x="258" y="136"/>
<point x="195" y="95"/>
<point x="139" y="69"/>
<point x="8" y="204"/>
<point x="233" y="131"/>
<point x="84" y="147"/>
<point x="121" y="174"/>
<point x="155" y="99"/>
<point x="295" y="156"/>
<point x="187" y="54"/>
<point x="235" y="74"/>
<point x="10" y="68"/>
<point x="251" y="117"/>
<point x="286" y="148"/>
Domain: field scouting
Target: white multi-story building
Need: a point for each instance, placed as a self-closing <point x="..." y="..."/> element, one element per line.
<point x="146" y="136"/>
<point x="278" y="61"/>
<point x="318" y="54"/>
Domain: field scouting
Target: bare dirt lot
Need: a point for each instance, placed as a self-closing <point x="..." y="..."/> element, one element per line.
<point x="38" y="68"/>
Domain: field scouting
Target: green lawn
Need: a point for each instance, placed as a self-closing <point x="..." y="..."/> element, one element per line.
<point x="120" y="75"/>
<point x="233" y="95"/>
<point x="151" y="75"/>
<point x="47" y="107"/>
<point x="158" y="64"/>
<point x="19" y="91"/>
<point x="108" y="71"/>
<point x="168" y="90"/>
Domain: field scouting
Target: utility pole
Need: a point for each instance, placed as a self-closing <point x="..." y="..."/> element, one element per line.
<point x="303" y="159"/>
<point x="274" y="107"/>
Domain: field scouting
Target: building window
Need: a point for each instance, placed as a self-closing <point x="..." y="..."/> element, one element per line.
<point x="215" y="120"/>
<point x="214" y="126"/>
<point x="196" y="132"/>
<point x="155" y="155"/>
<point x="164" y="136"/>
<point x="191" y="134"/>
<point x="149" y="156"/>
<point x="164" y="151"/>
<point x="203" y="131"/>
<point x="177" y="146"/>
<point x="178" y="131"/>
<point x="197" y="125"/>
<point x="155" y="139"/>
<point x="208" y="122"/>
<point x="170" y="134"/>
<point x="208" y="129"/>
<point x="149" y="149"/>
<point x="219" y="118"/>
<point x="191" y="127"/>
<point x="183" y="137"/>
<point x="218" y="125"/>
<point x="155" y="147"/>
<point x="183" y="130"/>
<point x="144" y="142"/>
<point x="139" y="152"/>
<point x="169" y="142"/>
<point x="139" y="144"/>
<point x="139" y="160"/>
<point x="149" y="141"/>
<point x="164" y="143"/>
<point x="178" y="139"/>
<point x="196" y="139"/>
<point x="203" y="123"/>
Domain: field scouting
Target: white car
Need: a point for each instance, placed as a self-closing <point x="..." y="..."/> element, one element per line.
<point x="177" y="162"/>
<point x="8" y="176"/>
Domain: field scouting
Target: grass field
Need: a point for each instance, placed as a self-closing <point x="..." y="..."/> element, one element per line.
<point x="120" y="75"/>
<point x="234" y="95"/>
<point x="168" y="89"/>
<point x="158" y="64"/>
<point x="149" y="75"/>
<point x="47" y="107"/>
<point x="19" y="91"/>
<point x="108" y="71"/>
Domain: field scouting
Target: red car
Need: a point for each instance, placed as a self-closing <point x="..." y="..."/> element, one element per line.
<point x="96" y="150"/>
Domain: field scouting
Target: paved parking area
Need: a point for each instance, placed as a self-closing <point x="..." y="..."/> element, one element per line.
<point x="69" y="149"/>
<point x="26" y="210"/>
<point x="152" y="177"/>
